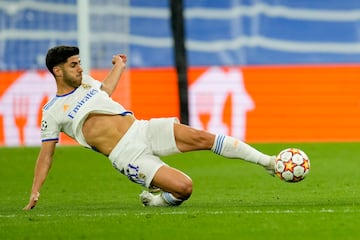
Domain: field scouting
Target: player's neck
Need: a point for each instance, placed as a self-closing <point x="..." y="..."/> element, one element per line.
<point x="63" y="90"/>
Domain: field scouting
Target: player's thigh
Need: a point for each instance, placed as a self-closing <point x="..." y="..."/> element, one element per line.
<point x="174" y="181"/>
<point x="190" y="139"/>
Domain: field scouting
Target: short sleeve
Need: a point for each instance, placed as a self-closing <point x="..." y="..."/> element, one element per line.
<point x="50" y="129"/>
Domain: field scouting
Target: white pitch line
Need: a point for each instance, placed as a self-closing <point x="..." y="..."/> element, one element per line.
<point x="285" y="211"/>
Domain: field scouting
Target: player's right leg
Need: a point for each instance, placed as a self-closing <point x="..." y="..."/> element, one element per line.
<point x="190" y="139"/>
<point x="175" y="186"/>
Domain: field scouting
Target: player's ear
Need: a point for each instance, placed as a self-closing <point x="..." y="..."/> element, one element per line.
<point x="57" y="71"/>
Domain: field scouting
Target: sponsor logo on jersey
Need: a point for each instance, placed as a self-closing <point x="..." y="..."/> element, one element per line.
<point x="80" y="103"/>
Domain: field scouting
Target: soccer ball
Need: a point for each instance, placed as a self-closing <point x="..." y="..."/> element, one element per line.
<point x="292" y="165"/>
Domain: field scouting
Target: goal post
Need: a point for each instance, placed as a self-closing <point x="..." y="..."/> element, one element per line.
<point x="83" y="33"/>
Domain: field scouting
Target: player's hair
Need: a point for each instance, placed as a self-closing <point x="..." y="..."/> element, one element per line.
<point x="58" y="55"/>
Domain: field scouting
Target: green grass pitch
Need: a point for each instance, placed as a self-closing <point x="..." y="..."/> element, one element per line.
<point x="85" y="198"/>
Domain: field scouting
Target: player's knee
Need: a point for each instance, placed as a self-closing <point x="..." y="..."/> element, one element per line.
<point x="185" y="189"/>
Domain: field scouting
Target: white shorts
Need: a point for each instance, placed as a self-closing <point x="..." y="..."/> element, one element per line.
<point x="137" y="154"/>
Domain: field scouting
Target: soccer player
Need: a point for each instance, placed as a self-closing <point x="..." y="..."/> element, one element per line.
<point x="84" y="110"/>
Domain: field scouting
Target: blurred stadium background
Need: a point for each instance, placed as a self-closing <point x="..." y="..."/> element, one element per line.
<point x="260" y="70"/>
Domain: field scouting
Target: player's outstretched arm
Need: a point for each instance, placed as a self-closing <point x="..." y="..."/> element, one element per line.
<point x="42" y="168"/>
<point x="111" y="81"/>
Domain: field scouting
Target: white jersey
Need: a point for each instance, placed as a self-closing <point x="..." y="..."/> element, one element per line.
<point x="67" y="113"/>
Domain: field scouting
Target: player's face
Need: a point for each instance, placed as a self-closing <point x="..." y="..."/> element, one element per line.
<point x="72" y="71"/>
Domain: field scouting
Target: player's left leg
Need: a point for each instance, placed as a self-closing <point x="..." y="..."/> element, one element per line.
<point x="190" y="139"/>
<point x="174" y="188"/>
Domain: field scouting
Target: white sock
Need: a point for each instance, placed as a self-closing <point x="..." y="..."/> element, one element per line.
<point x="170" y="199"/>
<point x="158" y="200"/>
<point x="233" y="148"/>
<point x="163" y="199"/>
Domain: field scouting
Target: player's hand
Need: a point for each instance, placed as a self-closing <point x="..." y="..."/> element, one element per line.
<point x="119" y="58"/>
<point x="123" y="58"/>
<point x="34" y="197"/>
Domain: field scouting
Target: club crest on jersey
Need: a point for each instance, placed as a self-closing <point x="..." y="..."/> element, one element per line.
<point x="86" y="86"/>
